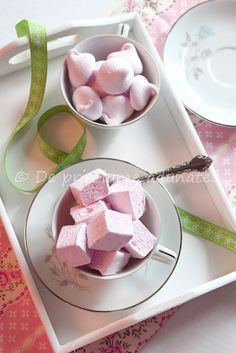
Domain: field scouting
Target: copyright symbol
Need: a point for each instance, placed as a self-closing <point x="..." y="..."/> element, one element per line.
<point x="21" y="176"/>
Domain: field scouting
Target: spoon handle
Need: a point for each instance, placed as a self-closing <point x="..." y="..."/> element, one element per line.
<point x="199" y="163"/>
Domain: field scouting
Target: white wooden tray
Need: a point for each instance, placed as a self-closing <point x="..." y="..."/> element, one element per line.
<point x="164" y="138"/>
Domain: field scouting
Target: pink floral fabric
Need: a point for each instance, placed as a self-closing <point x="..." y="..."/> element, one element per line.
<point x="20" y="327"/>
<point x="130" y="340"/>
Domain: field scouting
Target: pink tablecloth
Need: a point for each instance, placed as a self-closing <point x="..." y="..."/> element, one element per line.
<point x="20" y="327"/>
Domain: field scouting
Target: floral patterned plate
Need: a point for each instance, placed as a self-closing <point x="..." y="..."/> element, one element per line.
<point x="72" y="285"/>
<point x="200" y="57"/>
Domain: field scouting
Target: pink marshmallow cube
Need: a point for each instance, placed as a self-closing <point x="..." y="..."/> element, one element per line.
<point x="127" y="196"/>
<point x="142" y="242"/>
<point x="90" y="187"/>
<point x="87" y="214"/>
<point x="109" y="231"/>
<point x="109" y="262"/>
<point x="72" y="245"/>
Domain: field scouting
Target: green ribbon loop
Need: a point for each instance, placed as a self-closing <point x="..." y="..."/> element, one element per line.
<point x="207" y="230"/>
<point x="38" y="50"/>
<point x="63" y="159"/>
<point x="55" y="155"/>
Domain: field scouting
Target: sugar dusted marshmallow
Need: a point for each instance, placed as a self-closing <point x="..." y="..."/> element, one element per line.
<point x="142" y="242"/>
<point x="109" y="262"/>
<point x="140" y="92"/>
<point x="80" y="67"/>
<point x="127" y="196"/>
<point x="116" y="109"/>
<point x="87" y="102"/>
<point x="129" y="53"/>
<point x="115" y="76"/>
<point x="90" y="187"/>
<point x="87" y="214"/>
<point x="72" y="245"/>
<point x="109" y="231"/>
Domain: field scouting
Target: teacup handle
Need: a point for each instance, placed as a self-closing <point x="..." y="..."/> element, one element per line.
<point x="165" y="254"/>
<point x="123" y="30"/>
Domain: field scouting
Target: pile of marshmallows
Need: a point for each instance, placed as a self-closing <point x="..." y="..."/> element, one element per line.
<point x="107" y="229"/>
<point x="111" y="89"/>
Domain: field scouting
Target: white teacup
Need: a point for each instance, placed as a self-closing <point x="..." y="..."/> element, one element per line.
<point x="150" y="218"/>
<point x="100" y="46"/>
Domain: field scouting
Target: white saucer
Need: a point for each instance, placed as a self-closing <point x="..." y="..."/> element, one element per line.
<point x="200" y="59"/>
<point x="73" y="286"/>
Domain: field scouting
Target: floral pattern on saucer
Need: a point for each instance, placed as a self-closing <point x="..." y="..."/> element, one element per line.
<point x="197" y="51"/>
<point x="62" y="273"/>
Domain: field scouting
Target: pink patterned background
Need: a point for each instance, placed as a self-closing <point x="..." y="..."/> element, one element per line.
<point x="20" y="326"/>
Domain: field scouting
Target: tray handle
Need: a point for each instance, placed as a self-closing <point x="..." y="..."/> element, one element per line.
<point x="16" y="55"/>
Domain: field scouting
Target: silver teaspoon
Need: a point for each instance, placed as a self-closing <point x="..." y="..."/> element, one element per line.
<point x="199" y="163"/>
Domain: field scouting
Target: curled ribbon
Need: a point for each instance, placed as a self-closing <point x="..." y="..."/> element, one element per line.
<point x="38" y="50"/>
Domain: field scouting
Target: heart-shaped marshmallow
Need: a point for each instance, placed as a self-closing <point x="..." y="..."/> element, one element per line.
<point x="80" y="67"/>
<point x="115" y="76"/>
<point x="116" y="109"/>
<point x="93" y="81"/>
<point x="87" y="102"/>
<point x="128" y="52"/>
<point x="140" y="92"/>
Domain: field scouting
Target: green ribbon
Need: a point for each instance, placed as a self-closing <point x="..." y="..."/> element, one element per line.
<point x="61" y="158"/>
<point x="207" y="230"/>
<point x="38" y="50"/>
